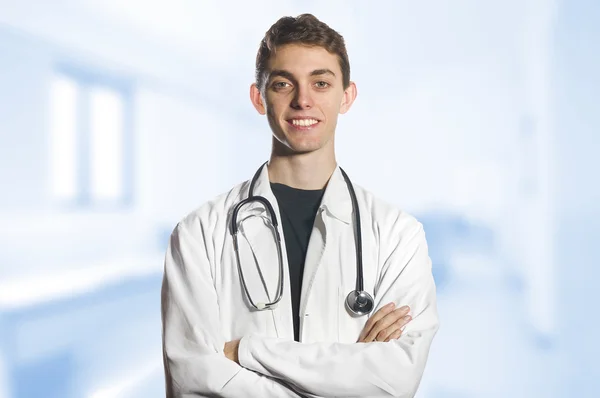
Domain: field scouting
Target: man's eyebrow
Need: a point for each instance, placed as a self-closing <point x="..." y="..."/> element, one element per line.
<point x="318" y="72"/>
<point x="281" y="73"/>
<point x="289" y="76"/>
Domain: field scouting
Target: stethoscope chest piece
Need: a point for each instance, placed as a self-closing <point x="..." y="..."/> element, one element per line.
<point x="359" y="302"/>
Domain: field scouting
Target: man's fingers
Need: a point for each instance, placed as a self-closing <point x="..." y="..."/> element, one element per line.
<point x="382" y="312"/>
<point x="393" y="328"/>
<point x="395" y="335"/>
<point x="386" y="322"/>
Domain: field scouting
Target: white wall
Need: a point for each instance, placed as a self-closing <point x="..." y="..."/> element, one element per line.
<point x="182" y="156"/>
<point x="24" y="79"/>
<point x="576" y="71"/>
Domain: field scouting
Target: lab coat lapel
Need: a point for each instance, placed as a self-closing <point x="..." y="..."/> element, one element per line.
<point x="335" y="212"/>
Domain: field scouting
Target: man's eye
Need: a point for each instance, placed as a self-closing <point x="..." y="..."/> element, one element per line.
<point x="322" y="84"/>
<point x="280" y="84"/>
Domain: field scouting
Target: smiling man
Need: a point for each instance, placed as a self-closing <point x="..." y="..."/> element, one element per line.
<point x="343" y="305"/>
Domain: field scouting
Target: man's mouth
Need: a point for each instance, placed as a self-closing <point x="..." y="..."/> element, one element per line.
<point x="303" y="123"/>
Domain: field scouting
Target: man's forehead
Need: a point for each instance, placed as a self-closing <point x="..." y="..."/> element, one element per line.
<point x="301" y="59"/>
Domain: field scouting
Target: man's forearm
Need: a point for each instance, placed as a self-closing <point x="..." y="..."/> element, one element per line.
<point x="216" y="376"/>
<point x="247" y="383"/>
<point x="392" y="368"/>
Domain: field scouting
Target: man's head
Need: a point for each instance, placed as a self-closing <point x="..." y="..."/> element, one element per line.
<point x="302" y="77"/>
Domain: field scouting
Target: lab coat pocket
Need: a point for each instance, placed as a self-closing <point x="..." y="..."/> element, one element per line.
<point x="349" y="326"/>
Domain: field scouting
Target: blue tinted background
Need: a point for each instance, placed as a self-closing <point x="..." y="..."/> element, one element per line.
<point x="479" y="118"/>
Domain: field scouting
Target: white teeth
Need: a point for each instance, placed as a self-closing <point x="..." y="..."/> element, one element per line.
<point x="304" y="122"/>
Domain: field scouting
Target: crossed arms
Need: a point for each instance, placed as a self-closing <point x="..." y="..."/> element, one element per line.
<point x="195" y="365"/>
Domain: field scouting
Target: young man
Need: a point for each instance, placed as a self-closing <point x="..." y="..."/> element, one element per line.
<point x="246" y="318"/>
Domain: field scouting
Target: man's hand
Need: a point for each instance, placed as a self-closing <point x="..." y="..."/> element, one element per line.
<point x="385" y="325"/>
<point x="231" y="350"/>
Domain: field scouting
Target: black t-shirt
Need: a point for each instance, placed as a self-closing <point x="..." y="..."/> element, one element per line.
<point x="298" y="208"/>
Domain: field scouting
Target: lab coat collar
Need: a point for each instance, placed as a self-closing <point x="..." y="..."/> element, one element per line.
<point x="336" y="200"/>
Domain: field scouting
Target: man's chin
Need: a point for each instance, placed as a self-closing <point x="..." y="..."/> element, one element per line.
<point x="292" y="147"/>
<point x="304" y="147"/>
<point x="285" y="150"/>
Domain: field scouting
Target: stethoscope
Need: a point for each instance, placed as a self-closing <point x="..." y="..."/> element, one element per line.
<point x="358" y="301"/>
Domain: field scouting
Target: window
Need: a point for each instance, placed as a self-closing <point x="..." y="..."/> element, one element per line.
<point x="106" y="144"/>
<point x="90" y="159"/>
<point x="63" y="143"/>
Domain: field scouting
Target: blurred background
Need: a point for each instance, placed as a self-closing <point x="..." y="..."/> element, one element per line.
<point x="480" y="118"/>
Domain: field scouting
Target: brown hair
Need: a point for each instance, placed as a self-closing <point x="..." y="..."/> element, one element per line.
<point x="304" y="29"/>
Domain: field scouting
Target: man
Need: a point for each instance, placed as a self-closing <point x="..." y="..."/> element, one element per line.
<point x="218" y="341"/>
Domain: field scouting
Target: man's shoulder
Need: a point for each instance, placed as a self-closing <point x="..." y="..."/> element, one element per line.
<point x="393" y="227"/>
<point x="388" y="217"/>
<point x="213" y="211"/>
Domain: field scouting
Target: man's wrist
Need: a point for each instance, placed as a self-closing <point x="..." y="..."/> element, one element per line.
<point x="231" y="350"/>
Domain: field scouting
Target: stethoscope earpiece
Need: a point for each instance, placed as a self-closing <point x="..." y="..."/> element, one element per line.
<point x="359" y="303"/>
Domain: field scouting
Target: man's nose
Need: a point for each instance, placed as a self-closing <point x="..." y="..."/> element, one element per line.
<point x="302" y="99"/>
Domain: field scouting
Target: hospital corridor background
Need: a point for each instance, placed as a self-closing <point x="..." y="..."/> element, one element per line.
<point x="480" y="118"/>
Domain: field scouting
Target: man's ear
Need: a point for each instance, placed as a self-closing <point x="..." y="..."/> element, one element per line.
<point x="257" y="100"/>
<point x="348" y="99"/>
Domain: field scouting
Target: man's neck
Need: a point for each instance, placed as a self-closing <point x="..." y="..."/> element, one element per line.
<point x="303" y="171"/>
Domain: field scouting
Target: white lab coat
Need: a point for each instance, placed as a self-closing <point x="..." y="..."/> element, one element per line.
<point x="203" y="304"/>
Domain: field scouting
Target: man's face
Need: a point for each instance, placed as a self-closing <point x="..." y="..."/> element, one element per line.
<point x="303" y="97"/>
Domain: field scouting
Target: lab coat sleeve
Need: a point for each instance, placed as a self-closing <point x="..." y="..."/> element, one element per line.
<point x="194" y="362"/>
<point x="376" y="369"/>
